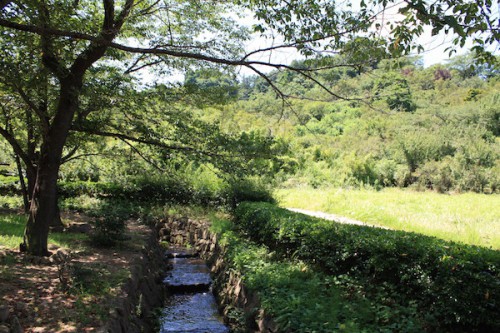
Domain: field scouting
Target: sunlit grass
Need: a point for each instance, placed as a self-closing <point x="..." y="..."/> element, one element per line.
<point x="11" y="202"/>
<point x="469" y="218"/>
<point x="12" y="229"/>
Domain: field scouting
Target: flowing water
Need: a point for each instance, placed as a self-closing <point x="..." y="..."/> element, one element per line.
<point x="191" y="308"/>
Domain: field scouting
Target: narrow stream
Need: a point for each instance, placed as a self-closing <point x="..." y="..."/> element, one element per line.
<point x="191" y="308"/>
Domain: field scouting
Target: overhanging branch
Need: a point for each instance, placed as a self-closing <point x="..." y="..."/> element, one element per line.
<point x="151" y="142"/>
<point x="141" y="155"/>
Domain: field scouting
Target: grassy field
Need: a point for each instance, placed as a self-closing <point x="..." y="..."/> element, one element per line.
<point x="469" y="218"/>
<point x="12" y="229"/>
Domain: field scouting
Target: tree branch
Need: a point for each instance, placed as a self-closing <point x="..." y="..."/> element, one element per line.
<point x="80" y="156"/>
<point x="44" y="123"/>
<point x="140" y="50"/>
<point x="18" y="149"/>
<point x="151" y="142"/>
<point x="49" y="59"/>
<point x="69" y="155"/>
<point x="147" y="160"/>
<point x="110" y="29"/>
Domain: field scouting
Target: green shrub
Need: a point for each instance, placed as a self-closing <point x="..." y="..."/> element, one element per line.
<point x="248" y="189"/>
<point x="108" y="230"/>
<point x="454" y="287"/>
<point x="109" y="221"/>
<point x="436" y="175"/>
<point x="300" y="299"/>
<point x="148" y="189"/>
<point x="9" y="185"/>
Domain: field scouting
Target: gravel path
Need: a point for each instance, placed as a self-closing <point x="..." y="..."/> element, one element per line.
<point x="331" y="217"/>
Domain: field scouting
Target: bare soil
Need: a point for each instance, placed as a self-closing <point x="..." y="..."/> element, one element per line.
<point x="46" y="298"/>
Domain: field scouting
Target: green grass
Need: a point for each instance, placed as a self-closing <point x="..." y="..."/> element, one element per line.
<point x="12" y="229"/>
<point x="8" y="179"/>
<point x="469" y="218"/>
<point x="11" y="202"/>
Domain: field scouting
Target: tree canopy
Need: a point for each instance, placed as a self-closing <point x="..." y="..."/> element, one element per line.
<point x="67" y="64"/>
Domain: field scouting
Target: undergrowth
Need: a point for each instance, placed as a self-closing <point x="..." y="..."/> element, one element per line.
<point x="409" y="282"/>
<point x="302" y="299"/>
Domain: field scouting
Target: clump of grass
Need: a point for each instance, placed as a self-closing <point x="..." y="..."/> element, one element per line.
<point x="11" y="230"/>
<point x="82" y="202"/>
<point x="93" y="285"/>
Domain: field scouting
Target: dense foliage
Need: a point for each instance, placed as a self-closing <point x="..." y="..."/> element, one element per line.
<point x="441" y="286"/>
<point x="173" y="190"/>
<point x="395" y="124"/>
<point x="65" y="64"/>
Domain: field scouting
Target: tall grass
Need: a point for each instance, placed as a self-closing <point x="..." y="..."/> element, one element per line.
<point x="469" y="217"/>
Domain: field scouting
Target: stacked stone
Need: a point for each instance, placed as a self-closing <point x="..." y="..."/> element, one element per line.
<point x="236" y="302"/>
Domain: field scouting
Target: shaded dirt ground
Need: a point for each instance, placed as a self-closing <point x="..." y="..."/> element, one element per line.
<point x="70" y="297"/>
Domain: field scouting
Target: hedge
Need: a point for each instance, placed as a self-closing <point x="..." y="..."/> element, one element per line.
<point x="455" y="287"/>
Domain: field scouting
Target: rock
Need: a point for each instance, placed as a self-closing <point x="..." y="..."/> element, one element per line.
<point x="4" y="313"/>
<point x="160" y="225"/>
<point x="34" y="260"/>
<point x="164" y="232"/>
<point x="15" y="326"/>
<point x="83" y="228"/>
<point x="4" y="329"/>
<point x="53" y="247"/>
<point x="45" y="261"/>
<point x="60" y="256"/>
<point x="266" y="323"/>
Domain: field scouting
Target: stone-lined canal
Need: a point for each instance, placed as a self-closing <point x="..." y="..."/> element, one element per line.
<point x="191" y="306"/>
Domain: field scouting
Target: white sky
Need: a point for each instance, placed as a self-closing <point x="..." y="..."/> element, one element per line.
<point x="434" y="49"/>
<point x="434" y="46"/>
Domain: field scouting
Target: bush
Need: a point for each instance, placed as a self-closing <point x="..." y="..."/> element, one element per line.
<point x="454" y="287"/>
<point x="108" y="230"/>
<point x="300" y="299"/>
<point x="140" y="189"/>
<point x="193" y="189"/>
<point x="109" y="223"/>
<point x="436" y="176"/>
<point x="249" y="189"/>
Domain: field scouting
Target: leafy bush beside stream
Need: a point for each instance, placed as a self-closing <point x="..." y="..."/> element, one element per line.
<point x="300" y="299"/>
<point x="173" y="190"/>
<point x="451" y="287"/>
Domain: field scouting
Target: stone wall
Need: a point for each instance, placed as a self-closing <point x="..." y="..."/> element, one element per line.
<point x="142" y="294"/>
<point x="240" y="306"/>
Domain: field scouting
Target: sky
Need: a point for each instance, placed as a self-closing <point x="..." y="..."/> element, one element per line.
<point x="434" y="46"/>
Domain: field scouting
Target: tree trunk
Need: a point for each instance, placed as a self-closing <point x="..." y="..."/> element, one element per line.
<point x="43" y="206"/>
<point x="56" y="223"/>
<point x="24" y="190"/>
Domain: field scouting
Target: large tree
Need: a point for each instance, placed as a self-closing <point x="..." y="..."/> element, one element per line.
<point x="62" y="42"/>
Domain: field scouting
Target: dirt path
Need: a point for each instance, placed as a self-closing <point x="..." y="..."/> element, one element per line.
<point x="331" y="217"/>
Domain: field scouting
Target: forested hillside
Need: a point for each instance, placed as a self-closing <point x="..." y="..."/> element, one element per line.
<point x="393" y="124"/>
